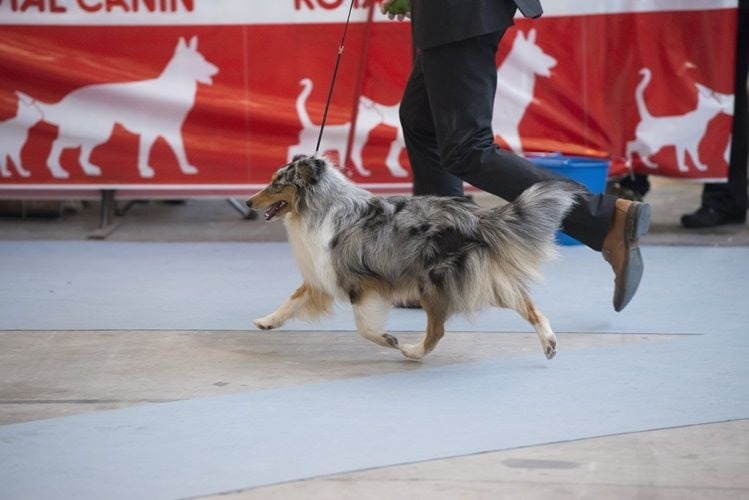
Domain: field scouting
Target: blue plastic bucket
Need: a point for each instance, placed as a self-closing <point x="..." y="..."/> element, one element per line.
<point x="590" y="172"/>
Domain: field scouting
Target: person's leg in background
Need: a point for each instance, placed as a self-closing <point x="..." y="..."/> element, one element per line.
<point x="634" y="187"/>
<point x="446" y="115"/>
<point x="726" y="203"/>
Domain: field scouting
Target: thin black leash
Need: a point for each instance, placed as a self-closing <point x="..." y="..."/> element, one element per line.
<point x="332" y="81"/>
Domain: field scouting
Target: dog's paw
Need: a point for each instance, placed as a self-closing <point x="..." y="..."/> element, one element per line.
<point x="147" y="172"/>
<point x="59" y="173"/>
<point x="413" y="351"/>
<point x="392" y="341"/>
<point x="90" y="169"/>
<point x="550" y="348"/>
<point x="266" y="323"/>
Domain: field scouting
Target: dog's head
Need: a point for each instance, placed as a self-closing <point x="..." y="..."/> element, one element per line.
<point x="532" y="55"/>
<point x="709" y="98"/>
<point x="288" y="186"/>
<point x="191" y="62"/>
<point x="29" y="112"/>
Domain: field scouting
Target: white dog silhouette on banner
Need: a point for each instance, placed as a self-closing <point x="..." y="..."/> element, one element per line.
<point x="14" y="132"/>
<point x="87" y="116"/>
<point x="516" y="81"/>
<point x="684" y="132"/>
<point x="371" y="114"/>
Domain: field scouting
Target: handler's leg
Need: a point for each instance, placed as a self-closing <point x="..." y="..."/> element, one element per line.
<point x="461" y="100"/>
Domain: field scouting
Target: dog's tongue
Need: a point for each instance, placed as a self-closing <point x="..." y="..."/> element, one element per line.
<point x="274" y="209"/>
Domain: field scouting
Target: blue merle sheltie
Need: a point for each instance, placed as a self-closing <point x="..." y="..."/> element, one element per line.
<point x="447" y="253"/>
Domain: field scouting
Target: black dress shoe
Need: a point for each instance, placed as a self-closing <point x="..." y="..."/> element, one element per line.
<point x="710" y="217"/>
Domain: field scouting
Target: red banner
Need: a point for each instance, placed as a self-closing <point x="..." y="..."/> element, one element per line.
<point x="217" y="94"/>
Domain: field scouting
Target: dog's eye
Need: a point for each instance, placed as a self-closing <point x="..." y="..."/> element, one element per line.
<point x="277" y="181"/>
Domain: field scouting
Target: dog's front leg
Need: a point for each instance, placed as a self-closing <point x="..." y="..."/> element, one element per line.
<point x="370" y="313"/>
<point x="305" y="301"/>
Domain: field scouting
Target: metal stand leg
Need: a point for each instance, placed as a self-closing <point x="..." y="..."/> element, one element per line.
<point x="247" y="213"/>
<point x="107" y="222"/>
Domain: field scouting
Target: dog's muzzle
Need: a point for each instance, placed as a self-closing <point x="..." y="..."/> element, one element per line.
<point x="274" y="209"/>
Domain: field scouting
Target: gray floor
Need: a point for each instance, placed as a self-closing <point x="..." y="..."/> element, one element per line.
<point x="694" y="462"/>
<point x="129" y="369"/>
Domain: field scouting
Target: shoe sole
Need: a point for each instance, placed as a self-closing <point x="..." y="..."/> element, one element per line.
<point x="636" y="225"/>
<point x="639" y="224"/>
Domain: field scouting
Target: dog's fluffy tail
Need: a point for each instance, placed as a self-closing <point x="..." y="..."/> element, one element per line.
<point x="528" y="223"/>
<point x="301" y="104"/>
<point x="642" y="108"/>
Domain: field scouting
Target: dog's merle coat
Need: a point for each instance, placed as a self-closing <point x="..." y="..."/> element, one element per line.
<point x="448" y="253"/>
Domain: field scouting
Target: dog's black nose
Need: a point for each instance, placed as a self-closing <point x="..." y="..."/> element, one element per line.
<point x="249" y="203"/>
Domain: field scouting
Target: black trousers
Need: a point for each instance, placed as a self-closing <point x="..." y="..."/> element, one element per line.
<point x="731" y="197"/>
<point x="446" y="114"/>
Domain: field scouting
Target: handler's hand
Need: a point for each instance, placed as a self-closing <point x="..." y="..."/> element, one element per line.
<point x="400" y="4"/>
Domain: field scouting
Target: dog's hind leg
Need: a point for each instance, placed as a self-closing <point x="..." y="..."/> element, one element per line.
<point x="305" y="302"/>
<point x="393" y="159"/>
<point x="16" y="157"/>
<point x="4" y="171"/>
<point x="435" y="330"/>
<point x="370" y="313"/>
<point x="53" y="160"/>
<point x="145" y="145"/>
<point x="85" y="159"/>
<point x="695" y="154"/>
<point x="356" y="156"/>
<point x="173" y="137"/>
<point x="527" y="309"/>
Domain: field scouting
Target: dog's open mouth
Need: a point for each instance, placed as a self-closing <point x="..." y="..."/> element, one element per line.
<point x="273" y="210"/>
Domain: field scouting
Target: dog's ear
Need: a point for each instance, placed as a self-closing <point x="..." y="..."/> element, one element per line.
<point x="311" y="171"/>
<point x="24" y="98"/>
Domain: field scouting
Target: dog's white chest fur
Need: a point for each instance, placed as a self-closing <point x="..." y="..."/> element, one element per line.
<point x="311" y="249"/>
